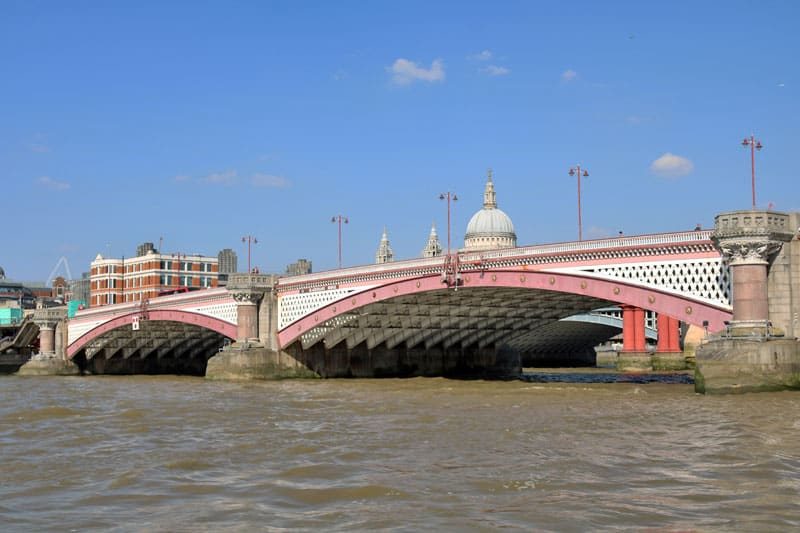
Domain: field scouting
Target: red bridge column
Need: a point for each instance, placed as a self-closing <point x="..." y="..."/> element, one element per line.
<point x="633" y="339"/>
<point x="668" y="335"/>
<point x="628" y="329"/>
<point x="668" y="354"/>
<point x="634" y="354"/>
<point x="639" y="339"/>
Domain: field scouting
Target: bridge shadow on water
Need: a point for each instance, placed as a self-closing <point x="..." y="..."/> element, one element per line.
<point x="569" y="375"/>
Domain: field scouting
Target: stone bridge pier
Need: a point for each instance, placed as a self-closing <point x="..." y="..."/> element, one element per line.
<point x="51" y="359"/>
<point x="255" y="354"/>
<point x="759" y="349"/>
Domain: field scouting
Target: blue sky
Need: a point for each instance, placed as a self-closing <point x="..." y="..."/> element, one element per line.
<point x="202" y="122"/>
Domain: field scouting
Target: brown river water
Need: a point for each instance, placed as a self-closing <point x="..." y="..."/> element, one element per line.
<point x="169" y="453"/>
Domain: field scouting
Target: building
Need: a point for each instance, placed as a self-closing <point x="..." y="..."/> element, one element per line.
<point x="490" y="228"/>
<point x="31" y="294"/>
<point x="384" y="253"/>
<point x="433" y="247"/>
<point x="145" y="247"/>
<point x="228" y="261"/>
<point x="298" y="268"/>
<point x="16" y="292"/>
<point x="79" y="289"/>
<point x="148" y="276"/>
<point x="58" y="289"/>
<point x="228" y="264"/>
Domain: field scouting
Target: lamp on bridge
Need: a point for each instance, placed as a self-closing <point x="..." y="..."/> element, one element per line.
<point x="249" y="239"/>
<point x="340" y="219"/>
<point x="754" y="145"/>
<point x="448" y="196"/>
<point x="581" y="173"/>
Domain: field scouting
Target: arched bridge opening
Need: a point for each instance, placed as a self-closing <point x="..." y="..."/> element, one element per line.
<point x="488" y="322"/>
<point x="156" y="342"/>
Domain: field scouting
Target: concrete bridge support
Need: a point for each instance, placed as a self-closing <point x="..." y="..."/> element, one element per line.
<point x="255" y="354"/>
<point x="51" y="359"/>
<point x="759" y="349"/>
<point x="247" y="313"/>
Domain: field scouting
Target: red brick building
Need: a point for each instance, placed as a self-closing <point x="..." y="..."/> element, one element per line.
<point x="149" y="276"/>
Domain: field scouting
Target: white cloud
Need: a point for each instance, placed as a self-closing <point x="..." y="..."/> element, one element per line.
<point x="671" y="166"/>
<point x="182" y="178"/>
<point x="221" y="178"/>
<point x="569" y="75"/>
<point x="39" y="148"/>
<point x="267" y="180"/>
<point x="405" y="72"/>
<point x="486" y="55"/>
<point x="494" y="70"/>
<point x="50" y="183"/>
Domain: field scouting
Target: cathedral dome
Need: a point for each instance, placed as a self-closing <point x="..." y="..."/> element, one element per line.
<point x="490" y="228"/>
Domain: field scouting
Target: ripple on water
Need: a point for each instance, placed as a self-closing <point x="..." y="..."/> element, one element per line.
<point x="186" y="454"/>
<point x="28" y="415"/>
<point x="188" y="463"/>
<point x="303" y="494"/>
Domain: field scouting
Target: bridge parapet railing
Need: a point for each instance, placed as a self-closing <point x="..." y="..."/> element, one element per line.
<point x="152" y="303"/>
<point x="658" y="239"/>
<point x="248" y="281"/>
<point x="50" y="314"/>
<point x="477" y="259"/>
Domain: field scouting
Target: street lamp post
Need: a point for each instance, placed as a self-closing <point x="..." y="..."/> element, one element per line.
<point x="249" y="239"/>
<point x="448" y="196"/>
<point x="754" y="145"/>
<point x="340" y="219"/>
<point x="580" y="173"/>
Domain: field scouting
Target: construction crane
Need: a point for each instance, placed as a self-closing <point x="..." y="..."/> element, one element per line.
<point x="62" y="260"/>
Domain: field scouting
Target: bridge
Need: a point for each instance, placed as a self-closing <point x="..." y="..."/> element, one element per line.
<point x="466" y="310"/>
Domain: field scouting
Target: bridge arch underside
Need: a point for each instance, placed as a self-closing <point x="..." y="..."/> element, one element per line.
<point x="471" y="331"/>
<point x="489" y="326"/>
<point x="157" y="347"/>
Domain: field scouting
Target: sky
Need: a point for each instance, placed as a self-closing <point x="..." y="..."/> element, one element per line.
<point x="195" y="124"/>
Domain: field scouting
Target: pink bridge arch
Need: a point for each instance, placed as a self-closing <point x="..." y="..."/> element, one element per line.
<point x="220" y="326"/>
<point x="683" y="308"/>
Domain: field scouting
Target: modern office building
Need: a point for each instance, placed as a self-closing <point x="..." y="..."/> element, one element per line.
<point x="228" y="261"/>
<point x="79" y="289"/>
<point x="298" y="268"/>
<point x="145" y="247"/>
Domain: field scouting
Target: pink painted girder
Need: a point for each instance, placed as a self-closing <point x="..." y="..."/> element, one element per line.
<point x="683" y="308"/>
<point x="214" y="324"/>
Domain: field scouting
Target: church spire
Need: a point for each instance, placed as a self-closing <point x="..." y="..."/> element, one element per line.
<point x="433" y="247"/>
<point x="384" y="253"/>
<point x="489" y="196"/>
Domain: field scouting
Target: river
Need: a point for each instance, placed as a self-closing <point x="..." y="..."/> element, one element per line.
<point x="165" y="453"/>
